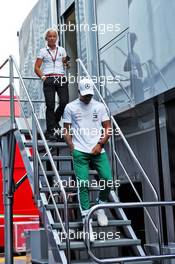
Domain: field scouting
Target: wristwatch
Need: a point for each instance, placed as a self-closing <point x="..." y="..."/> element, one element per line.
<point x="42" y="77"/>
<point x="101" y="144"/>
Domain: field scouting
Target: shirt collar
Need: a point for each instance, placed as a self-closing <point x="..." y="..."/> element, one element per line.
<point x="48" y="48"/>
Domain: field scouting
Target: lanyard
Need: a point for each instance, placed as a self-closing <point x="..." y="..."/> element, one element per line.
<point x="53" y="58"/>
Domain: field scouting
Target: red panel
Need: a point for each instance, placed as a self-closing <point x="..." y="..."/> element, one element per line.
<point x="19" y="234"/>
<point x="23" y="202"/>
<point x="20" y="225"/>
<point x="5" y="106"/>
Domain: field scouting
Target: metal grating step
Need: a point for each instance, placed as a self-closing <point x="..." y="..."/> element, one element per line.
<point x="56" y="158"/>
<point x="61" y="206"/>
<point x="66" y="172"/>
<point x="95" y="224"/>
<point x="28" y="143"/>
<point x="140" y="262"/>
<point x="101" y="243"/>
<point x="70" y="189"/>
<point x="83" y="262"/>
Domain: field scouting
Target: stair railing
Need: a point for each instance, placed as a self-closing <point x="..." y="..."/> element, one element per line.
<point x="123" y="260"/>
<point x="157" y="227"/>
<point x="106" y="65"/>
<point x="36" y="128"/>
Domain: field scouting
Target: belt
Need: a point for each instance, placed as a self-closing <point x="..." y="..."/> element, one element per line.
<point x="53" y="75"/>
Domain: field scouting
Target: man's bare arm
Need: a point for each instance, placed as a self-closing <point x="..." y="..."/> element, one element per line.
<point x="67" y="136"/>
<point x="107" y="130"/>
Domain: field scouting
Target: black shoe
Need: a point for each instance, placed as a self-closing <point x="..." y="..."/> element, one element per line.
<point x="57" y="130"/>
<point x="60" y="138"/>
<point x="51" y="136"/>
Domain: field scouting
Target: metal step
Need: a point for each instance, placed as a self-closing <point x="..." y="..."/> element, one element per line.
<point x="95" y="224"/>
<point x="70" y="189"/>
<point x="56" y="158"/>
<point x="28" y="143"/>
<point x="101" y="243"/>
<point x="66" y="172"/>
<point x="39" y="261"/>
<point x="140" y="262"/>
<point x="92" y="262"/>
<point x="83" y="262"/>
<point x="61" y="206"/>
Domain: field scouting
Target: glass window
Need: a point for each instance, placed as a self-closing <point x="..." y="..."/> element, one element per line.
<point x="116" y="90"/>
<point x="112" y="19"/>
<point x="153" y="24"/>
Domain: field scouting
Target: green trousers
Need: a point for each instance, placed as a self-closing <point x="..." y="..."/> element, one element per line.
<point x="100" y="163"/>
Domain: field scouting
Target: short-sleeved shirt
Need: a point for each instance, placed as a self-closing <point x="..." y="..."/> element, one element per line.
<point x="48" y="65"/>
<point x="86" y="123"/>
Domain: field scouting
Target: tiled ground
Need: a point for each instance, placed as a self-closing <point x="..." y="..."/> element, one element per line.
<point x="17" y="260"/>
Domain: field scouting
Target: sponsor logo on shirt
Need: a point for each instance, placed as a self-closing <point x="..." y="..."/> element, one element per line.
<point x="78" y="115"/>
<point x="95" y="116"/>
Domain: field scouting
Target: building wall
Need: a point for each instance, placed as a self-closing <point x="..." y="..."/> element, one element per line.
<point x="141" y="54"/>
<point x="30" y="41"/>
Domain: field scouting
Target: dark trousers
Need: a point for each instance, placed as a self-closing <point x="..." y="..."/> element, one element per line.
<point x="51" y="86"/>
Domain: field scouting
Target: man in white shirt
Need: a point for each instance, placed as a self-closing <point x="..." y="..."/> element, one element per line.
<point x="87" y="128"/>
<point x="53" y="58"/>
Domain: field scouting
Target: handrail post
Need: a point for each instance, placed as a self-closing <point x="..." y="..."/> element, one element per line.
<point x="66" y="216"/>
<point x="8" y="149"/>
<point x="35" y="159"/>
<point x="114" y="163"/>
<point x="12" y="108"/>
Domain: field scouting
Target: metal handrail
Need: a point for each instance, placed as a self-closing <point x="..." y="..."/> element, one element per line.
<point x="39" y="159"/>
<point x="130" y="151"/>
<point x="160" y="73"/>
<point x="5" y="89"/>
<point x="24" y="78"/>
<point x="113" y="74"/>
<point x="4" y="63"/>
<point x="12" y="63"/>
<point x="21" y="100"/>
<point x="120" y="132"/>
<point x="124" y="205"/>
<point x="136" y="192"/>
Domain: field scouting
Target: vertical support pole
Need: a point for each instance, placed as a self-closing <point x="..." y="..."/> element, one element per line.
<point x="8" y="153"/>
<point x="35" y="159"/>
<point x="114" y="163"/>
<point x="12" y="108"/>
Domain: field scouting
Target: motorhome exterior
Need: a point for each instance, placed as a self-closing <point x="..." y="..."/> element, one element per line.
<point x="127" y="48"/>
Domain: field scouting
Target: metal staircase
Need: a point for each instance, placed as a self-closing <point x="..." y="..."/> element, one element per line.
<point x="117" y="223"/>
<point x="49" y="168"/>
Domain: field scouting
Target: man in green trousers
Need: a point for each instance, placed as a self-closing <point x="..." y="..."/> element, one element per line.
<point x="87" y="129"/>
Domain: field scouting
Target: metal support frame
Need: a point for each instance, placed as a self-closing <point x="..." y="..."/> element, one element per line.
<point x="35" y="159"/>
<point x="8" y="144"/>
<point x="8" y="150"/>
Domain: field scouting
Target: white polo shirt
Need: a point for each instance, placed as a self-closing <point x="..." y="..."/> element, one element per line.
<point x="86" y="123"/>
<point x="48" y="65"/>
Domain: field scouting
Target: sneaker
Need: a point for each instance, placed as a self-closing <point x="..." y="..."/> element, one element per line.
<point x="51" y="137"/>
<point x="101" y="217"/>
<point x="90" y="234"/>
<point x="57" y="130"/>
